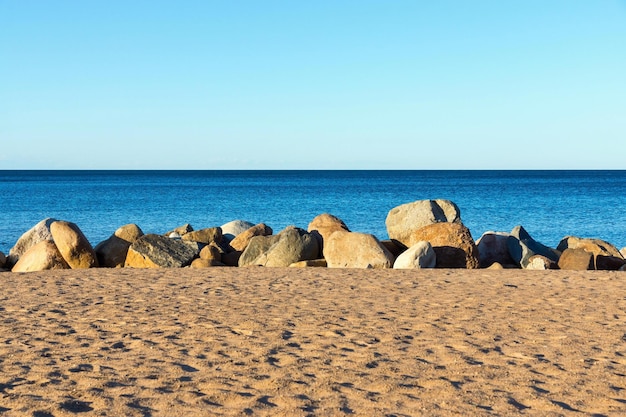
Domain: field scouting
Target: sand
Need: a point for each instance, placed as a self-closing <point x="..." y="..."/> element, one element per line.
<point x="319" y="342"/>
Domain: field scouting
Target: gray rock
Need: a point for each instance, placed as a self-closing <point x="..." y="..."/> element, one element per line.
<point x="36" y="234"/>
<point x="3" y="260"/>
<point x="541" y="263"/>
<point x="112" y="252"/>
<point x="421" y="255"/>
<point x="232" y="229"/>
<point x="522" y="247"/>
<point x="493" y="247"/>
<point x="154" y="251"/>
<point x="403" y="220"/>
<point x="289" y="246"/>
<point x="356" y="250"/>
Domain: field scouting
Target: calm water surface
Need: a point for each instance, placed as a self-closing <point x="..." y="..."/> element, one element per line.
<point x="549" y="204"/>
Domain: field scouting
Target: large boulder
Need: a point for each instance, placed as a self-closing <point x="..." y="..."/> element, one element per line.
<point x="206" y="236"/>
<point x="403" y="220"/>
<point x="241" y="241"/>
<point x="522" y="247"/>
<point x="154" y="251"/>
<point x="289" y="246"/>
<point x="232" y="229"/>
<point x="356" y="250"/>
<point x="421" y="255"/>
<point x="73" y="245"/>
<point x="606" y="256"/>
<point x="36" y="234"/>
<point x="41" y="257"/>
<point x="452" y="242"/>
<point x="541" y="263"/>
<point x="325" y="225"/>
<point x="3" y="260"/>
<point x="112" y="252"/>
<point x="576" y="260"/>
<point x="493" y="247"/>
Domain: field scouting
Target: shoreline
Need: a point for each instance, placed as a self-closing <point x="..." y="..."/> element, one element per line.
<point x="313" y="341"/>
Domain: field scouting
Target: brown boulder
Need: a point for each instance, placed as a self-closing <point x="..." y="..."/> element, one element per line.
<point x="289" y="246"/>
<point x="403" y="220"/>
<point x="211" y="252"/>
<point x="576" y="260"/>
<point x="112" y="252"/>
<point x="315" y="263"/>
<point x="325" y="225"/>
<point x="241" y="241"/>
<point x="606" y="256"/>
<point x="452" y="242"/>
<point x="73" y="245"/>
<point x="212" y="234"/>
<point x="41" y="257"/>
<point x="205" y="263"/>
<point x="356" y="250"/>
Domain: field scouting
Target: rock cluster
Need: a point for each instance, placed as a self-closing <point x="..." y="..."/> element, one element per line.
<point x="422" y="234"/>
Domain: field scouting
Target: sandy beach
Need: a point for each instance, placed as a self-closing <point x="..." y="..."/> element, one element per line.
<point x="312" y="342"/>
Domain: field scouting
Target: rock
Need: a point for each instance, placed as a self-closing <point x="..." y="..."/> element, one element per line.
<point x="112" y="252"/>
<point x="576" y="260"/>
<point x="234" y="228"/>
<point x="231" y="258"/>
<point x="36" y="234"/>
<point x="205" y="263"/>
<point x="538" y="262"/>
<point x="324" y="225"/>
<point x="606" y="256"/>
<point x="623" y="268"/>
<point x="421" y="255"/>
<point x="452" y="242"/>
<point x="154" y="251"/>
<point x="623" y="252"/>
<point x="241" y="241"/>
<point x="315" y="263"/>
<point x="403" y="220"/>
<point x="496" y="265"/>
<point x="180" y="230"/>
<point x="41" y="257"/>
<point x="522" y="247"/>
<point x="73" y="245"/>
<point x="3" y="260"/>
<point x="289" y="246"/>
<point x="356" y="250"/>
<point x="493" y="247"/>
<point x="211" y="252"/>
<point x="206" y="236"/>
<point x="396" y="248"/>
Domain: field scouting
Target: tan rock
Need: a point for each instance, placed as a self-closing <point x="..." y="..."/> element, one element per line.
<point x="241" y="241"/>
<point x="36" y="234"/>
<point x="289" y="246"/>
<point x="73" y="245"/>
<point x="403" y="220"/>
<point x="41" y="257"/>
<point x="325" y="225"/>
<point x="205" y="263"/>
<point x="576" y="260"/>
<point x="212" y="234"/>
<point x="606" y="256"/>
<point x="495" y="265"/>
<point x="452" y="242"/>
<point x="211" y="252"/>
<point x="180" y="230"/>
<point x="315" y="263"/>
<point x="356" y="250"/>
<point x="112" y="252"/>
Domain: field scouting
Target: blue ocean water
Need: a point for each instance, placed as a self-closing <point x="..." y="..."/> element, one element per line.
<point x="549" y="204"/>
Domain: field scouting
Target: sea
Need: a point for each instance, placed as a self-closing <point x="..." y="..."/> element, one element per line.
<point x="548" y="204"/>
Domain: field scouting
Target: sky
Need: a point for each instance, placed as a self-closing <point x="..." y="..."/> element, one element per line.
<point x="519" y="84"/>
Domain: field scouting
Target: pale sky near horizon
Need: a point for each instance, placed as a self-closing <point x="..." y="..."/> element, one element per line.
<point x="535" y="84"/>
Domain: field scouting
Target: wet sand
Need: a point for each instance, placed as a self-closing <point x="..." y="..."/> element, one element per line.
<point x="319" y="342"/>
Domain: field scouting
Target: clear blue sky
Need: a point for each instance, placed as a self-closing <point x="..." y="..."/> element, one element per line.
<point x="321" y="84"/>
